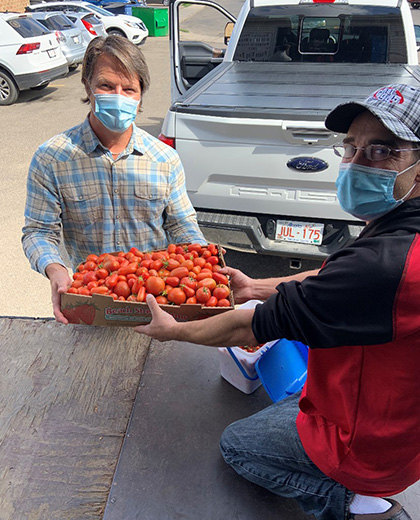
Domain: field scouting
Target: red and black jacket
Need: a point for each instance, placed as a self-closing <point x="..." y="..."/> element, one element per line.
<point x="360" y="316"/>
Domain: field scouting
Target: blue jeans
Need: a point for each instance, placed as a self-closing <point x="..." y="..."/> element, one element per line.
<point x="265" y="449"/>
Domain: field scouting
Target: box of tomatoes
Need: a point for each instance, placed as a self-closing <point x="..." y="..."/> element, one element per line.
<point x="110" y="289"/>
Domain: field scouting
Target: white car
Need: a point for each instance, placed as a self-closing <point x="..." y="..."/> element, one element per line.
<point x="129" y="26"/>
<point x="90" y="25"/>
<point x="30" y="56"/>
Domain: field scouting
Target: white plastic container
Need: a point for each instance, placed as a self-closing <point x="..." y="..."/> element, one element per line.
<point x="237" y="365"/>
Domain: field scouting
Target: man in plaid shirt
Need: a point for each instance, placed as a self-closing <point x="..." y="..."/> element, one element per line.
<point x="105" y="184"/>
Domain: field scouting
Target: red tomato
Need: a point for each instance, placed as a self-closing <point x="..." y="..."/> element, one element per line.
<point x="122" y="289"/>
<point x="192" y="300"/>
<point x="111" y="264"/>
<point x="156" y="265"/>
<point x="99" y="290"/>
<point x="102" y="273"/>
<point x="141" y="295"/>
<point x="210" y="283"/>
<point x="221" y="292"/>
<point x="91" y="285"/>
<point x="72" y="290"/>
<point x="90" y="266"/>
<point x="188" y="291"/>
<point x="77" y="276"/>
<point x="180" y="272"/>
<point x="220" y="278"/>
<point x="188" y="281"/>
<point x="223" y="303"/>
<point x="203" y="294"/>
<point x="146" y="263"/>
<point x="171" y="248"/>
<point x="83" y="290"/>
<point x="171" y="264"/>
<point x="173" y="281"/>
<point x="130" y="268"/>
<point x="162" y="300"/>
<point x="155" y="285"/>
<point x="211" y="302"/>
<point x="199" y="261"/>
<point x="195" y="247"/>
<point x="136" y="252"/>
<point x="77" y="283"/>
<point x="213" y="249"/>
<point x="89" y="276"/>
<point x="189" y="264"/>
<point x="111" y="281"/>
<point x="92" y="258"/>
<point x="177" y="296"/>
<point x="205" y="273"/>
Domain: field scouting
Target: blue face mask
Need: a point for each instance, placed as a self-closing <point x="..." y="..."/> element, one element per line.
<point x="115" y="111"/>
<point x="368" y="193"/>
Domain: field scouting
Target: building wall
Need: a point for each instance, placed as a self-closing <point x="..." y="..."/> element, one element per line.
<point x="13" y="5"/>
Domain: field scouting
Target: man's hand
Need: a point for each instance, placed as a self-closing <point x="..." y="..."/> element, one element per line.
<point x="60" y="281"/>
<point x="162" y="326"/>
<point x="241" y="284"/>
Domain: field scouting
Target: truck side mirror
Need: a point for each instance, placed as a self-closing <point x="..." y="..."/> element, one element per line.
<point x="228" y="31"/>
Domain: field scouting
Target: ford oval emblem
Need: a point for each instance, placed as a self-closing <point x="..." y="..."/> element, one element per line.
<point x="307" y="164"/>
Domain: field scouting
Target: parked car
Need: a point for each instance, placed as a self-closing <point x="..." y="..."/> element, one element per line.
<point x="130" y="27"/>
<point x="30" y="56"/>
<point x="89" y="24"/>
<point x="68" y="35"/>
<point x="415" y="4"/>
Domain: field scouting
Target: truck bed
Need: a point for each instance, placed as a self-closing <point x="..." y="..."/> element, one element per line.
<point x="235" y="89"/>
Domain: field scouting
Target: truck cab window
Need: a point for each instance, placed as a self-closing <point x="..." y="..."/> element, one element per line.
<point x="304" y="34"/>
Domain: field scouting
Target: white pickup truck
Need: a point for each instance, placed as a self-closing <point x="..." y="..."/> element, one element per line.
<point x="248" y="120"/>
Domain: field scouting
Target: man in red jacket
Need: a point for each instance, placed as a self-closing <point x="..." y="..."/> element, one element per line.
<point x="353" y="435"/>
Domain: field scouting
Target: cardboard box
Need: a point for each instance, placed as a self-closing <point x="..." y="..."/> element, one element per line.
<point x="104" y="311"/>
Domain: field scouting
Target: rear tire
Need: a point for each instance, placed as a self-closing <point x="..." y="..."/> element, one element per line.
<point x="116" y="32"/>
<point x="8" y="89"/>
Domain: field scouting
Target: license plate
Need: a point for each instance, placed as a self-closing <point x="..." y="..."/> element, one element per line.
<point x="300" y="232"/>
<point x="51" y="53"/>
<point x="76" y="39"/>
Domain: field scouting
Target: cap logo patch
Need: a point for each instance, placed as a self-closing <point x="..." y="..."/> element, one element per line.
<point x="389" y="95"/>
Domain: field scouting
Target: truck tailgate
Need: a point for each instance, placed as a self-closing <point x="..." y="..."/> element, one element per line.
<point x="245" y="143"/>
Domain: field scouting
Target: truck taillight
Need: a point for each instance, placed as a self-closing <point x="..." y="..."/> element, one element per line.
<point x="167" y="140"/>
<point x="27" y="48"/>
<point x="89" y="27"/>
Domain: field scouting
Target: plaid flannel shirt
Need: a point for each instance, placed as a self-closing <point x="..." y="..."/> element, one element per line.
<point x="99" y="204"/>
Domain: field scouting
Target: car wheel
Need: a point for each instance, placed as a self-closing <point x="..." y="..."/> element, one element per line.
<point x="8" y="89"/>
<point x="116" y="32"/>
<point x="40" y="87"/>
<point x="73" y="67"/>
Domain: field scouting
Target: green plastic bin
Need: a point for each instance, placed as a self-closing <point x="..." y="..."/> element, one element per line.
<point x="154" y="18"/>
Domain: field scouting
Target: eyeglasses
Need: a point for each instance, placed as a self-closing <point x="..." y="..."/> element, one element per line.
<point x="372" y="152"/>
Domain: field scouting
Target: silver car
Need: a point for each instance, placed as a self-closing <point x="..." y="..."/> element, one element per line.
<point x="90" y="25"/>
<point x="68" y="35"/>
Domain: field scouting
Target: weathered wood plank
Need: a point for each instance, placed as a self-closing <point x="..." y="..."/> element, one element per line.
<point x="66" y="394"/>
